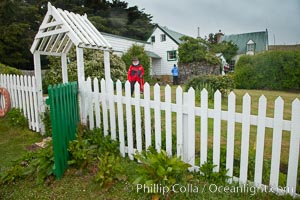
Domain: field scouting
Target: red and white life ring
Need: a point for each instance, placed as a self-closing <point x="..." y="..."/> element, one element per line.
<point x="6" y="96"/>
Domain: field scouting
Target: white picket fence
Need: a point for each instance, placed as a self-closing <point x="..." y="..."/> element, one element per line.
<point x="23" y="95"/>
<point x="114" y="111"/>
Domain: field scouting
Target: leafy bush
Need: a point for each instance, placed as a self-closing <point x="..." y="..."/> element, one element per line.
<point x="36" y="165"/>
<point x="4" y="69"/>
<point x="208" y="174"/>
<point x="224" y="84"/>
<point x="159" y="168"/>
<point x="138" y="51"/>
<point x="46" y="118"/>
<point x="15" y="117"/>
<point x="93" y="67"/>
<point x="269" y="70"/>
<point x="109" y="170"/>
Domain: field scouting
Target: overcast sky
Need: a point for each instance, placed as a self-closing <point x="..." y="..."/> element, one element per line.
<point x="280" y="17"/>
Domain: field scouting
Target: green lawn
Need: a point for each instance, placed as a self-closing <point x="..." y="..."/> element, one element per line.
<point x="81" y="186"/>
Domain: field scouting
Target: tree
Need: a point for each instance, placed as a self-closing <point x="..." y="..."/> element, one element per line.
<point x="228" y="49"/>
<point x="138" y="51"/>
<point x="196" y="50"/>
<point x="20" y="20"/>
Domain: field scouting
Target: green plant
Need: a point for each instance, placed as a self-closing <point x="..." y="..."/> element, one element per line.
<point x="224" y="84"/>
<point x="269" y="70"/>
<point x="41" y="165"/>
<point x="109" y="170"/>
<point x="46" y="118"/>
<point x="15" y="117"/>
<point x="4" y="69"/>
<point x="159" y="168"/>
<point x="81" y="152"/>
<point x="207" y="173"/>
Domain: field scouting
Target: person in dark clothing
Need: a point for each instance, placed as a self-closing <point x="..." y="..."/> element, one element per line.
<point x="175" y="74"/>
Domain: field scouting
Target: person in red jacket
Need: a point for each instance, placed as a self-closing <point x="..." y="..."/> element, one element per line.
<point x="136" y="74"/>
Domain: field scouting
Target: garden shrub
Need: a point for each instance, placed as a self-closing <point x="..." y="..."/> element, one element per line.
<point x="15" y="117"/>
<point x="4" y="69"/>
<point x="224" y="84"/>
<point x="93" y="67"/>
<point x="277" y="70"/>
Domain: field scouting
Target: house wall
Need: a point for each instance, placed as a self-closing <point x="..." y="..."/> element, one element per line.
<point x="161" y="48"/>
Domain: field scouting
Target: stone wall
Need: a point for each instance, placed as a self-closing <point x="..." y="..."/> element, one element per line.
<point x="187" y="71"/>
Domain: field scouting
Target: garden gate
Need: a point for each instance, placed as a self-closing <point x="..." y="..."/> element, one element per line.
<point x="63" y="102"/>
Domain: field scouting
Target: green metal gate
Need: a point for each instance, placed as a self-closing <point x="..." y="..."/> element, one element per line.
<point x="63" y="102"/>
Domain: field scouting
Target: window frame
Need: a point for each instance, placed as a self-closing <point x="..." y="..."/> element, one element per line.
<point x="168" y="55"/>
<point x="153" y="38"/>
<point x="163" y="37"/>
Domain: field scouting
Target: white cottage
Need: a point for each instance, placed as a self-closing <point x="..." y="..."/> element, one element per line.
<point x="161" y="47"/>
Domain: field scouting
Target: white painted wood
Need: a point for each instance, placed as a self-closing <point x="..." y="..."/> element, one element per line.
<point x="15" y="92"/>
<point x="157" y="117"/>
<point x="168" y="118"/>
<point x="35" y="106"/>
<point x="191" y="126"/>
<point x="129" y="120"/>
<point x="90" y="103"/>
<point x="294" y="148"/>
<point x="81" y="83"/>
<point x="185" y="128"/>
<point x="147" y="113"/>
<point x="179" y="119"/>
<point x="276" y="144"/>
<point x="104" y="107"/>
<point x="120" y="118"/>
<point x="230" y="135"/>
<point x="64" y="67"/>
<point x="97" y="102"/>
<point x="260" y="140"/>
<point x="138" y="117"/>
<point x="217" y="130"/>
<point x="19" y="91"/>
<point x="23" y="94"/>
<point x="204" y="126"/>
<point x="112" y="113"/>
<point x="11" y="90"/>
<point x="107" y="65"/>
<point x="245" y="138"/>
<point x="27" y="100"/>
<point x="31" y="102"/>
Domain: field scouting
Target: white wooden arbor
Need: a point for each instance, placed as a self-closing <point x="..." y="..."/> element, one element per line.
<point x="60" y="30"/>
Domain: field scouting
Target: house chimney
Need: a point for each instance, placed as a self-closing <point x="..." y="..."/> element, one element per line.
<point x="218" y="36"/>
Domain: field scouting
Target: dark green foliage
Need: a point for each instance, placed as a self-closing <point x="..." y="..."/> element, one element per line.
<point x="138" y="51"/>
<point x="89" y="145"/>
<point x="228" y="49"/>
<point x="9" y="70"/>
<point x="20" y="20"/>
<point x="277" y="70"/>
<point x="196" y="50"/>
<point x="109" y="170"/>
<point x="224" y="84"/>
<point x="15" y="117"/>
<point x="159" y="168"/>
<point x="207" y="173"/>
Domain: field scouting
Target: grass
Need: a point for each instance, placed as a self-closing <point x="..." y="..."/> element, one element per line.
<point x="14" y="141"/>
<point x="79" y="186"/>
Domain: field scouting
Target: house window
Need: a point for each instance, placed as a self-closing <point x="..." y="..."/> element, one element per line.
<point x="153" y="39"/>
<point x="250" y="47"/>
<point x="163" y="37"/>
<point x="172" y="55"/>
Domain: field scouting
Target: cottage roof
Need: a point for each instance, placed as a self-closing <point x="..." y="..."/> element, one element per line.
<point x="60" y="29"/>
<point x="260" y="40"/>
<point x="175" y="36"/>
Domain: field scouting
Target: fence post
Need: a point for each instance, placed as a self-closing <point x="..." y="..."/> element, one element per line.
<point x="185" y="129"/>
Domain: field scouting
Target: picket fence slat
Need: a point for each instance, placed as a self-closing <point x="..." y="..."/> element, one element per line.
<point x="294" y="145"/>
<point x="276" y="144"/>
<point x="204" y="126"/>
<point x="245" y="138"/>
<point x="147" y="113"/>
<point x="260" y="140"/>
<point x="230" y="135"/>
<point x="140" y="121"/>
<point x="217" y="130"/>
